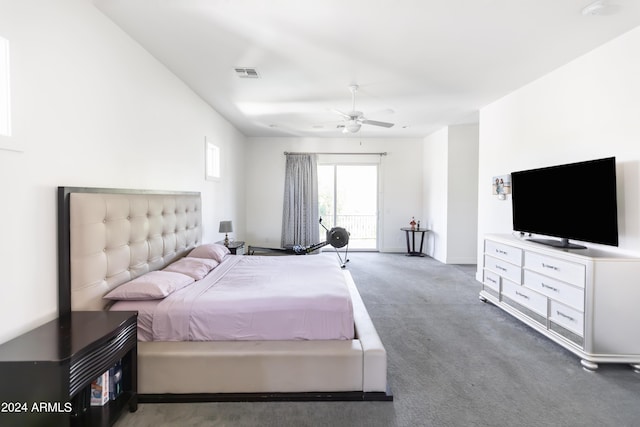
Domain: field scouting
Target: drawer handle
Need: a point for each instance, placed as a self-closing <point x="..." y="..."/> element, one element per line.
<point x="500" y="251"/>
<point x="522" y="295"/>
<point x="566" y="316"/>
<point x="552" y="267"/>
<point x="544" y="285"/>
<point x="499" y="267"/>
<point x="489" y="279"/>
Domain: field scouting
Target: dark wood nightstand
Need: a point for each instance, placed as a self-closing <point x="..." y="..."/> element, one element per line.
<point x="236" y="247"/>
<point x="47" y="372"/>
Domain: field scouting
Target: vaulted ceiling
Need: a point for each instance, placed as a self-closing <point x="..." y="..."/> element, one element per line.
<point x="420" y="64"/>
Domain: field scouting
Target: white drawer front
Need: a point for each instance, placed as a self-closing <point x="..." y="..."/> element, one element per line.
<point x="526" y="297"/>
<point x="504" y="252"/>
<point x="554" y="289"/>
<point x="491" y="280"/>
<point x="566" y="316"/>
<point x="504" y="269"/>
<point x="566" y="271"/>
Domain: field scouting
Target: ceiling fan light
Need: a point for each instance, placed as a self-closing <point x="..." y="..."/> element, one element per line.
<point x="352" y="126"/>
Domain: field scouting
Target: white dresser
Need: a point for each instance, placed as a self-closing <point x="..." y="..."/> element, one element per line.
<point x="586" y="300"/>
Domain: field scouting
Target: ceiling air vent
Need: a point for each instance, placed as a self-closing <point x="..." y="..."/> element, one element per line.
<point x="247" y="73"/>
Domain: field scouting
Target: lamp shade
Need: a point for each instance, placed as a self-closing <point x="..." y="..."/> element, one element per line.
<point x="226" y="227"/>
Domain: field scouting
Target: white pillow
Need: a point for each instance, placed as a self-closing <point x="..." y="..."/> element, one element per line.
<point x="193" y="267"/>
<point x="151" y="285"/>
<point x="211" y="251"/>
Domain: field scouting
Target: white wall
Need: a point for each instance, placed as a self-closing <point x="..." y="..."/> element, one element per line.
<point x="450" y="193"/>
<point x="91" y="108"/>
<point x="400" y="187"/>
<point x="436" y="192"/>
<point x="462" y="206"/>
<point x="585" y="110"/>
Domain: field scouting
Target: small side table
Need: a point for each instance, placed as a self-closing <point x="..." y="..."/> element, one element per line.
<point x="236" y="247"/>
<point x="47" y="372"/>
<point x="411" y="244"/>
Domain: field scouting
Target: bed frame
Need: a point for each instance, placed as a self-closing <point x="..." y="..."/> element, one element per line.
<point x="107" y="237"/>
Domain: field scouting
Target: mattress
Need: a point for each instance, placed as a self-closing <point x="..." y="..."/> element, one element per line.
<point x="253" y="298"/>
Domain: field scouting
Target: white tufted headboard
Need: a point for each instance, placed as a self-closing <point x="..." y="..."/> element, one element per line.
<point x="107" y="237"/>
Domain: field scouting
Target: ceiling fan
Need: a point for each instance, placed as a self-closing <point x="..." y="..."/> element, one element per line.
<point x="354" y="119"/>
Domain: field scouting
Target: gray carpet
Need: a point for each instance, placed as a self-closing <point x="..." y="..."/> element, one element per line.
<point x="453" y="361"/>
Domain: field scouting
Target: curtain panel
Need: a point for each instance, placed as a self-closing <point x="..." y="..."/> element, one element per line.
<point x="300" y="224"/>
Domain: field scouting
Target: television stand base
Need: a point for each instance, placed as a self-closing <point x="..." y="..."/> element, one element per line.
<point x="563" y="243"/>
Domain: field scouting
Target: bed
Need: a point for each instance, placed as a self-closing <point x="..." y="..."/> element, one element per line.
<point x="111" y="237"/>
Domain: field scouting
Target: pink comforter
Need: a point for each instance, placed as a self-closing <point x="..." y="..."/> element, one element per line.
<point x="254" y="298"/>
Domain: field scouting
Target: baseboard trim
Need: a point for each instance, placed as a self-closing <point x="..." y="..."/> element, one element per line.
<point x="462" y="260"/>
<point x="351" y="396"/>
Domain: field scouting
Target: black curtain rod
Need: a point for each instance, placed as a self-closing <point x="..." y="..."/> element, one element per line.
<point x="348" y="154"/>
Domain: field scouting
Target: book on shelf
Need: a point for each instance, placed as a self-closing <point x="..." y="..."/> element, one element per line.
<point x="100" y="390"/>
<point x="115" y="380"/>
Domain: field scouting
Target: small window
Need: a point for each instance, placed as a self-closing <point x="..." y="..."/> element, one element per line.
<point x="212" y="159"/>
<point x="5" y="100"/>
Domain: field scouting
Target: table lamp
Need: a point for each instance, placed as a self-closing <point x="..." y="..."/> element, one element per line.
<point x="226" y="227"/>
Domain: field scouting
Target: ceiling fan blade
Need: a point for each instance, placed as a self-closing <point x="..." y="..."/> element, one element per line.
<point x="376" y="123"/>
<point x="345" y="115"/>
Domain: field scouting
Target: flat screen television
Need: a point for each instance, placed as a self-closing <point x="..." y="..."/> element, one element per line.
<point x="571" y="201"/>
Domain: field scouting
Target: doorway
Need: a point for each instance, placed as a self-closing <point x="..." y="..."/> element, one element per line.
<point x="348" y="198"/>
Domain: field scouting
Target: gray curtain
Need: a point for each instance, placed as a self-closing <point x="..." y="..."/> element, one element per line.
<point x="300" y="224"/>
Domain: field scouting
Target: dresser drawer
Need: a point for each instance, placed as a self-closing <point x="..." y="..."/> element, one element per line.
<point x="554" y="289"/>
<point x="491" y="280"/>
<point x="526" y="297"/>
<point x="566" y="271"/>
<point x="504" y="269"/>
<point x="567" y="317"/>
<point x="503" y="252"/>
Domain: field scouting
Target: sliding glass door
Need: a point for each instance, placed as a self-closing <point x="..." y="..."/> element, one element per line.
<point x="348" y="198"/>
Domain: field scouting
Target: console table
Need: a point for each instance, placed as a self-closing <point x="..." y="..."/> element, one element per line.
<point x="47" y="372"/>
<point x="411" y="244"/>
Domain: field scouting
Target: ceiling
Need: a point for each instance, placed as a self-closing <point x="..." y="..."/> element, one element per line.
<point x="421" y="64"/>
